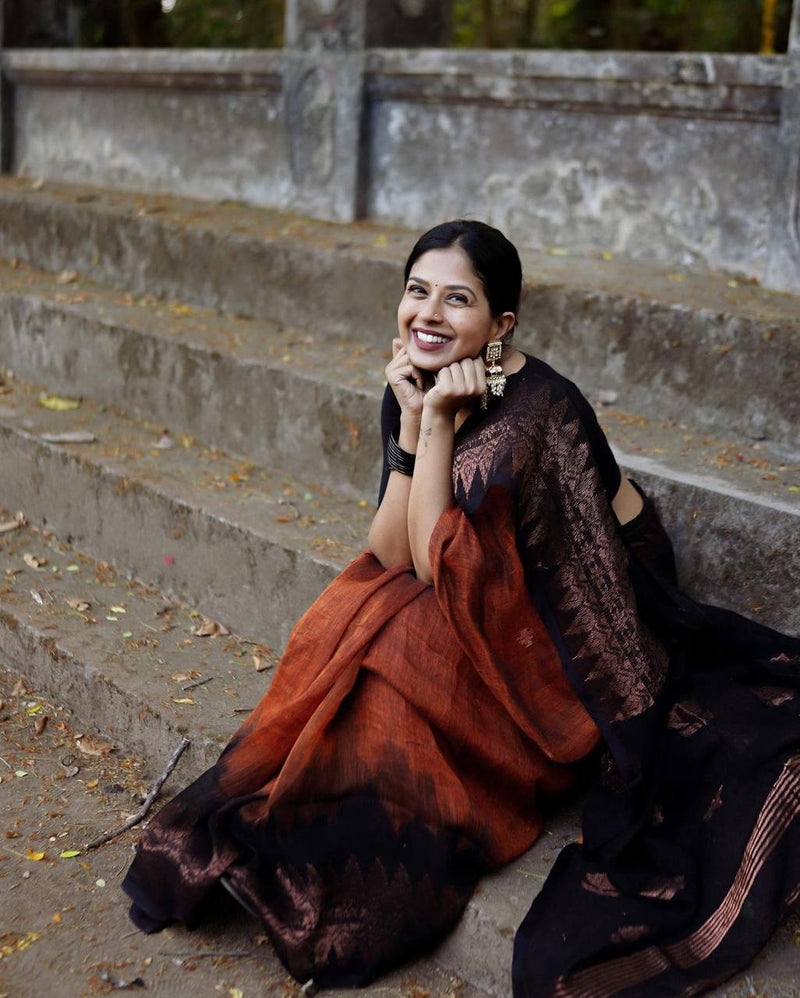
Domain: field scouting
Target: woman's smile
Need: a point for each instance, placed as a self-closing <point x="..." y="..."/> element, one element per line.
<point x="428" y="340"/>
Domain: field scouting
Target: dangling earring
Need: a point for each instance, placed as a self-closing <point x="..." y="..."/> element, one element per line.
<point x="495" y="379"/>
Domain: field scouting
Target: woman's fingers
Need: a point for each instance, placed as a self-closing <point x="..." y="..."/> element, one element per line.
<point x="463" y="379"/>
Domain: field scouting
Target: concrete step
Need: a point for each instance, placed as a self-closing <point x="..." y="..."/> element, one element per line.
<point x="731" y="506"/>
<point x="248" y="546"/>
<point x="275" y="394"/>
<point x="122" y="665"/>
<point x="669" y="340"/>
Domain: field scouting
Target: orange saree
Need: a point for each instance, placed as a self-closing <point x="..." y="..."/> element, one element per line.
<point x="400" y="753"/>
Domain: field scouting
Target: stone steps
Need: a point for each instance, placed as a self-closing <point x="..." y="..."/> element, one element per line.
<point x="267" y="344"/>
<point x="666" y="340"/>
<point x="271" y="393"/>
<point x="282" y="399"/>
<point x="249" y="546"/>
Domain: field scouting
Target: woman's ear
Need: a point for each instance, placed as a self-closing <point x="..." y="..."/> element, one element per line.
<point x="505" y="325"/>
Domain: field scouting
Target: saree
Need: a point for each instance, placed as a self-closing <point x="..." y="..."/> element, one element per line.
<point x="412" y="733"/>
<point x="403" y="750"/>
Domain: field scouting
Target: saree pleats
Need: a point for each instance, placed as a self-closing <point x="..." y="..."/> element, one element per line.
<point x="402" y="751"/>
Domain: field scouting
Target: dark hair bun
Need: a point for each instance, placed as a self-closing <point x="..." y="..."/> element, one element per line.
<point x="493" y="257"/>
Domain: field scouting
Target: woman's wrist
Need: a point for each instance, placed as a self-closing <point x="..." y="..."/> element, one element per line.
<point x="408" y="437"/>
<point x="437" y="419"/>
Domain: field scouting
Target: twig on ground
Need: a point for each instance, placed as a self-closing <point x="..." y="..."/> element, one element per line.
<point x="148" y="802"/>
<point x="243" y="710"/>
<point x="197" y="682"/>
<point x="6" y="763"/>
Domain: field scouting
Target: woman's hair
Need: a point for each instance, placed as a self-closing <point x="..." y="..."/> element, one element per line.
<point x="493" y="257"/>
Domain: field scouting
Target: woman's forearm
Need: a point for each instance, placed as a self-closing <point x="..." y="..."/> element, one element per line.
<point x="431" y="491"/>
<point x="388" y="534"/>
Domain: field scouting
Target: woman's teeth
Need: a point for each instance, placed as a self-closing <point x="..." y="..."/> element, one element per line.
<point x="430" y="337"/>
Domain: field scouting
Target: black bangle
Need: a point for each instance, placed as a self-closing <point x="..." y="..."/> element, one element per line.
<point x="398" y="459"/>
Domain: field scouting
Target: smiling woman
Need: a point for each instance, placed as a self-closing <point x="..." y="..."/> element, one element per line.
<point x="513" y="617"/>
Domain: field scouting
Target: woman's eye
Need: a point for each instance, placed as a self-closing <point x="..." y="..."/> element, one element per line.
<point x="458" y="299"/>
<point x="415" y="289"/>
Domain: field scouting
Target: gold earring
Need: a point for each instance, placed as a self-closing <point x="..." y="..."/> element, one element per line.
<point x="495" y="379"/>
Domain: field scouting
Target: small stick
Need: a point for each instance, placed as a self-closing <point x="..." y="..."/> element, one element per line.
<point x="243" y="710"/>
<point x="197" y="682"/>
<point x="148" y="803"/>
<point x="5" y="763"/>
<point x="208" y="953"/>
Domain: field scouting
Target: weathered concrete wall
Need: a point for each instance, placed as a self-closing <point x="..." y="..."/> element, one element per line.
<point x="668" y="158"/>
<point x="682" y="159"/>
<point x="784" y="260"/>
<point x="204" y="124"/>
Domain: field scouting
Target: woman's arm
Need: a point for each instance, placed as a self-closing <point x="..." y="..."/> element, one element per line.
<point x="431" y="491"/>
<point x="627" y="503"/>
<point x="388" y="533"/>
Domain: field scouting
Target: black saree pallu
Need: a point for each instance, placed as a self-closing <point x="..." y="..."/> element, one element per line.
<point x="709" y="864"/>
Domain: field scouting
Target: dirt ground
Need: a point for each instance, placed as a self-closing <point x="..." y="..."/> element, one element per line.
<point x="64" y="930"/>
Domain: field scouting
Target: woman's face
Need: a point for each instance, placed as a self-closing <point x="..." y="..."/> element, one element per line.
<point x="444" y="316"/>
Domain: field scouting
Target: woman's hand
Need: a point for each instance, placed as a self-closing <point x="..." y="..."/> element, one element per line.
<point x="405" y="380"/>
<point x="456" y="386"/>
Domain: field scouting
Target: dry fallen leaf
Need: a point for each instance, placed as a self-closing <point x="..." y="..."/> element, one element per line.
<point x="91" y="747"/>
<point x="67" y="277"/>
<point x="57" y="403"/>
<point x="79" y="604"/>
<point x="209" y="629"/>
<point x="32" y="561"/>
<point x="183" y="700"/>
<point x="40" y="724"/>
<point x="183" y="677"/>
<point x="20" y="689"/>
<point x="9" y="945"/>
<point x="35" y="856"/>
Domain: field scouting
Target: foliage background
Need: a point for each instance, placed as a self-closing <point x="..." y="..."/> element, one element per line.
<point x="649" y="25"/>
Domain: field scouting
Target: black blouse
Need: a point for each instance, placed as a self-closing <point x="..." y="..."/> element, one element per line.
<point x="533" y="372"/>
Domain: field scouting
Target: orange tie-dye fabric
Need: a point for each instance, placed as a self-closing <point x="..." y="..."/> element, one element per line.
<point x="442" y="709"/>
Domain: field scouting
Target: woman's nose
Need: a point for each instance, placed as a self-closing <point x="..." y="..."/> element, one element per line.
<point x="430" y="311"/>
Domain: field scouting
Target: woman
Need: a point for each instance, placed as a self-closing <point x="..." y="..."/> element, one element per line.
<point x="517" y="609"/>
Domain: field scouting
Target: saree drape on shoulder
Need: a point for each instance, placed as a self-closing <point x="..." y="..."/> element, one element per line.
<point x="411" y="732"/>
